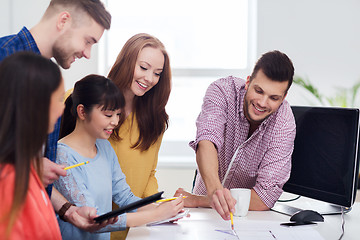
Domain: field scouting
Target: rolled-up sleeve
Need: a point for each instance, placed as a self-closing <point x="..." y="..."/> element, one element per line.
<point x="212" y="118"/>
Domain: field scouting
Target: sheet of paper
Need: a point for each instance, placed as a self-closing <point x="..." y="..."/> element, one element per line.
<point x="262" y="230"/>
<point x="180" y="215"/>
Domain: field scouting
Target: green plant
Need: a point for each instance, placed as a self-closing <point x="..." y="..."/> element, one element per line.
<point x="344" y="97"/>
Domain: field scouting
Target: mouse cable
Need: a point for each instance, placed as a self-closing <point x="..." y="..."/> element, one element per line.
<point x="289" y="200"/>
<point x="342" y="223"/>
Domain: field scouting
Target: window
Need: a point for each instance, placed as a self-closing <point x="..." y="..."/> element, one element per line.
<point x="205" y="39"/>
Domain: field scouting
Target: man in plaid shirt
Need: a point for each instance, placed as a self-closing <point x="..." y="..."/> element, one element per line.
<point x="245" y="138"/>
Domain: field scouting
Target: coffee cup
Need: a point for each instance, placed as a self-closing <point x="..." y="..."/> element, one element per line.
<point x="242" y="197"/>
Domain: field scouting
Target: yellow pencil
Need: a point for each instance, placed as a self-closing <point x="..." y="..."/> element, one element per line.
<point x="232" y="220"/>
<point x="76" y="165"/>
<point x="169" y="199"/>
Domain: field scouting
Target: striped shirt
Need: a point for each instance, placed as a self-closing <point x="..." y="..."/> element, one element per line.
<point x="262" y="161"/>
<point x="24" y="41"/>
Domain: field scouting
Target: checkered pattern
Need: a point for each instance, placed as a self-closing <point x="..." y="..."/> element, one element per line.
<point x="263" y="161"/>
<point x="51" y="148"/>
<point x="23" y="41"/>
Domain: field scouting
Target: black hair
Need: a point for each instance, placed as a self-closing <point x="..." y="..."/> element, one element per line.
<point x="27" y="81"/>
<point x="275" y="65"/>
<point x="90" y="91"/>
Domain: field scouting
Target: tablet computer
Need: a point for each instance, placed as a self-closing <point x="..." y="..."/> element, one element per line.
<point x="131" y="206"/>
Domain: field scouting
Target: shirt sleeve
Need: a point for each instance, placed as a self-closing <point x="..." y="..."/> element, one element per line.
<point x="275" y="167"/>
<point x="121" y="192"/>
<point x="212" y="118"/>
<point x="51" y="148"/>
<point x="73" y="187"/>
<point x="152" y="184"/>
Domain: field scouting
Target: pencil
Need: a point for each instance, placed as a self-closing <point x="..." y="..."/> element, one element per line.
<point x="232" y="220"/>
<point x="168" y="199"/>
<point x="76" y="165"/>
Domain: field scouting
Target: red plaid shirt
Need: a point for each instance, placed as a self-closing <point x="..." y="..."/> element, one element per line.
<point x="263" y="161"/>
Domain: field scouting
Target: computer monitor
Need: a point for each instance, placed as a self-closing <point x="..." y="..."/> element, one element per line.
<point x="325" y="161"/>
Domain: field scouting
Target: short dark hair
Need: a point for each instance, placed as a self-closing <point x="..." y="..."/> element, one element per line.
<point x="275" y="65"/>
<point x="95" y="9"/>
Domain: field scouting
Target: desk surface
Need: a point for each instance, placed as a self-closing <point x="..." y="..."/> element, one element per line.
<point x="204" y="221"/>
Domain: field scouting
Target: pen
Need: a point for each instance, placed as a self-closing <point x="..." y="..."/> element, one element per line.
<point x="76" y="165"/>
<point x="169" y="199"/>
<point x="232" y="225"/>
<point x="272" y="235"/>
<point x="232" y="221"/>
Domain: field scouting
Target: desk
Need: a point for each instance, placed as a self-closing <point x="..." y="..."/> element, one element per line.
<point x="203" y="222"/>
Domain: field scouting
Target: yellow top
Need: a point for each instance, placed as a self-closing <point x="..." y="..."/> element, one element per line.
<point x="138" y="167"/>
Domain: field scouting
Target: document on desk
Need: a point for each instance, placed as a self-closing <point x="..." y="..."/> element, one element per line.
<point x="177" y="217"/>
<point x="262" y="230"/>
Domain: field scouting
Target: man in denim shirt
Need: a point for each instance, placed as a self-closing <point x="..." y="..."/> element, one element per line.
<point x="67" y="31"/>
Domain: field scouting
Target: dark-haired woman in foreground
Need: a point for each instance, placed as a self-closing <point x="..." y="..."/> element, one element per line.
<point x="31" y="102"/>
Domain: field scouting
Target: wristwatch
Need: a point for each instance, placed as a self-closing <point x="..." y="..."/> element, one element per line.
<point x="63" y="210"/>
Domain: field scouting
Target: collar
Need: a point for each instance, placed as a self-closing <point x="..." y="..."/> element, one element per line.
<point x="28" y="40"/>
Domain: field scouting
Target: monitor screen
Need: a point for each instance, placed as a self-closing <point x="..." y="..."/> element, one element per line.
<point x="325" y="158"/>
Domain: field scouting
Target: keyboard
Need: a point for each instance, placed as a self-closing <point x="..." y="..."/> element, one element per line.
<point x="323" y="209"/>
<point x="285" y="209"/>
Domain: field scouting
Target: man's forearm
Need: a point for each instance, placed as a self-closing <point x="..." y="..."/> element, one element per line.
<point x="256" y="204"/>
<point x="207" y="161"/>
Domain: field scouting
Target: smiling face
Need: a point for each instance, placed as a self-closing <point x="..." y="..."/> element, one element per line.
<point x="101" y="123"/>
<point x="148" y="68"/>
<point x="263" y="97"/>
<point x="76" y="42"/>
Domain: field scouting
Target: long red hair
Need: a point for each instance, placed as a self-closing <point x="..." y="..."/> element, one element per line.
<point x="149" y="109"/>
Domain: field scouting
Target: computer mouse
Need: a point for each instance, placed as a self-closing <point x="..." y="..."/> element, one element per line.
<point x="304" y="216"/>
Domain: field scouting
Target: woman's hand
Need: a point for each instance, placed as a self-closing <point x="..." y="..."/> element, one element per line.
<point x="170" y="209"/>
<point x="83" y="218"/>
<point x="192" y="200"/>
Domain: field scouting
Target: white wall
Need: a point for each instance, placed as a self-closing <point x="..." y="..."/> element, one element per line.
<point x="19" y="13"/>
<point x="322" y="38"/>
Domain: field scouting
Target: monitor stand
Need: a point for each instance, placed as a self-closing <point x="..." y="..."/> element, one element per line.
<point x="323" y="209"/>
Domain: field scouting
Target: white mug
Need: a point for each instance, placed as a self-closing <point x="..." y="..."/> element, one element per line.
<point x="242" y="197"/>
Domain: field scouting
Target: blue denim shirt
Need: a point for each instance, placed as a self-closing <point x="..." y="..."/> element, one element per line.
<point x="24" y="41"/>
<point x="51" y="148"/>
